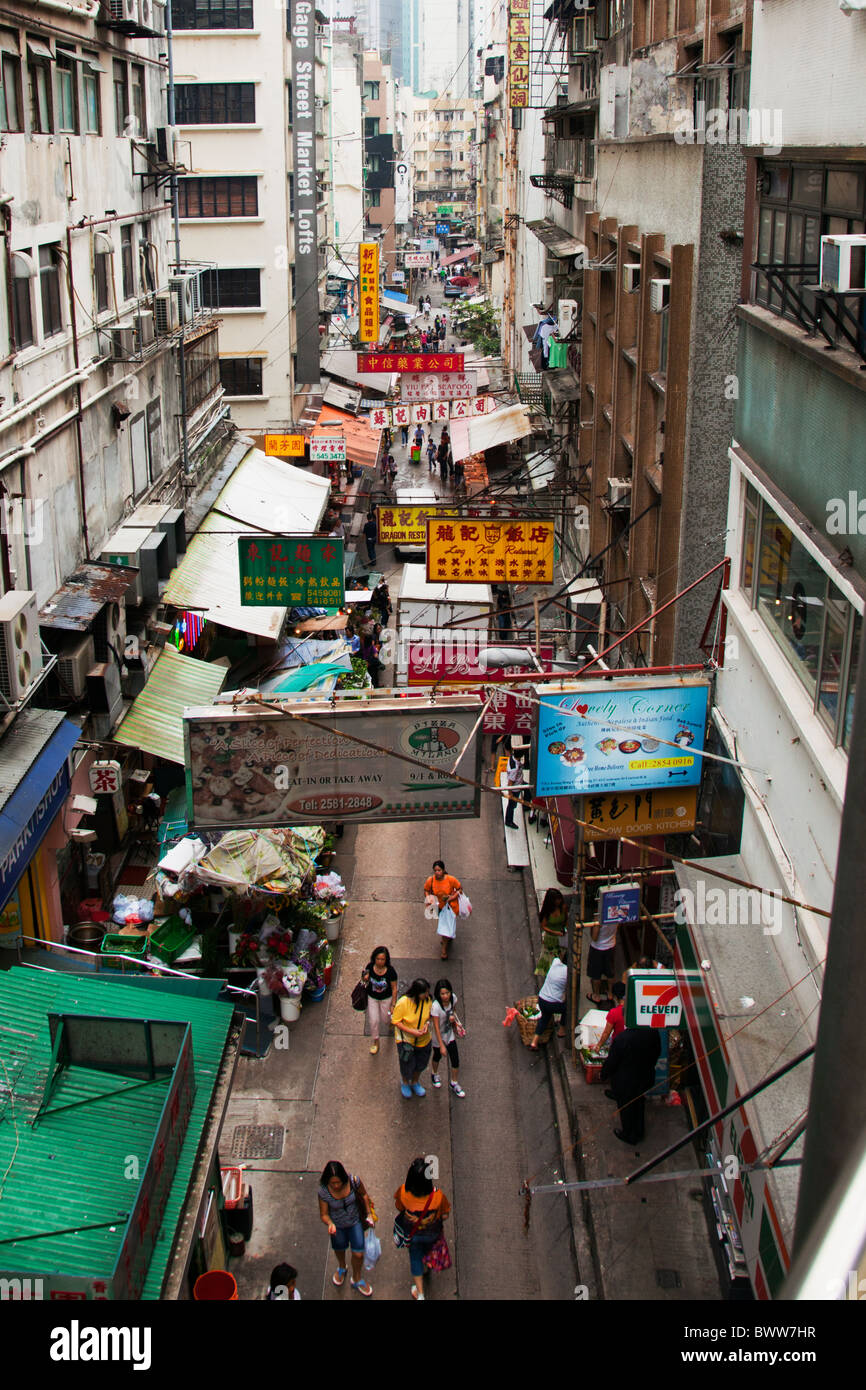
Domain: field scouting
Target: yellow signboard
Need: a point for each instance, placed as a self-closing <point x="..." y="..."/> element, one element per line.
<point x="519" y="52"/>
<point x="666" y="811"/>
<point x="407" y="525"/>
<point x="284" y="446"/>
<point x="368" y="281"/>
<point x="471" y="551"/>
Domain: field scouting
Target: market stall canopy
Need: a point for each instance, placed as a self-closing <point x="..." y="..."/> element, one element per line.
<point x="154" y="722"/>
<point x="344" y="364"/>
<point x="478" y="434"/>
<point x="32" y="756"/>
<point x="398" y="306"/>
<point x="362" y="443"/>
<point x="320" y="675"/>
<point x="260" y="489"/>
<point x="465" y="254"/>
<point x="558" y="242"/>
<point x="341" y="270"/>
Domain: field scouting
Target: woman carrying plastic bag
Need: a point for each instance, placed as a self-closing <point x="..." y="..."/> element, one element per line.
<point x="446" y="890"/>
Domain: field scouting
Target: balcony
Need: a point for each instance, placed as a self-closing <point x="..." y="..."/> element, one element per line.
<point x="792" y="291"/>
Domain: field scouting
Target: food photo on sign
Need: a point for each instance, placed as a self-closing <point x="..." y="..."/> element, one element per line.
<point x="615" y="739"/>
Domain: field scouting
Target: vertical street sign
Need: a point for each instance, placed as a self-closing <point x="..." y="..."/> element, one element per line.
<point x="518" y="52"/>
<point x="304" y="159"/>
<point x="368" y="267"/>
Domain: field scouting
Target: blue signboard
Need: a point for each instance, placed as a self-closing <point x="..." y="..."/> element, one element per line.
<point x="443" y="228"/>
<point x="619" y="904"/>
<point x="613" y="739"/>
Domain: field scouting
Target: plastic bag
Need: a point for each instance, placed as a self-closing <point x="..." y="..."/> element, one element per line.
<point x="447" y="923"/>
<point x="464" y="906"/>
<point x="372" y="1248"/>
<point x="431" y="908"/>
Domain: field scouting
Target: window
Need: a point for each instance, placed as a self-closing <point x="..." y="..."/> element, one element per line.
<point x="218" y="197"/>
<point x="664" y="336"/>
<point x="371" y="91"/>
<point x="374" y="198"/>
<point x="90" y="71"/>
<point x="231" y="289"/>
<point x="49" y="284"/>
<point x="215" y="103"/>
<point x="23" y="272"/>
<point x="202" y="370"/>
<point x="146" y="259"/>
<point x="241" y="376"/>
<point x="817" y="630"/>
<point x="127" y="260"/>
<point x="102" y="271"/>
<point x="213" y="14"/>
<point x="371" y="127"/>
<point x="138" y="111"/>
<point x="39" y="82"/>
<point x="121" y="97"/>
<point x="10" y="88"/>
<point x="67" y="93"/>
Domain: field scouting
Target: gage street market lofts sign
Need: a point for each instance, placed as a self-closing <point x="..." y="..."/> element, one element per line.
<point x="304" y="154"/>
<point x="619" y="737"/>
<point x="291" y="571"/>
<point x="490" y="552"/>
<point x="252" y="767"/>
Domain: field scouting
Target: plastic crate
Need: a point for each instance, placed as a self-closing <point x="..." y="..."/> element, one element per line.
<point x="123" y="947"/>
<point x="233" y="1187"/>
<point x="171" y="939"/>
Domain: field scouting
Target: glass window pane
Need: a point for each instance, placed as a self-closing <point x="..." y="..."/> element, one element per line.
<point x="845" y="190"/>
<point x="750" y="523"/>
<point x="791" y="597"/>
<point x="806" y="188"/>
<point x="852" y="681"/>
<point x="831" y="662"/>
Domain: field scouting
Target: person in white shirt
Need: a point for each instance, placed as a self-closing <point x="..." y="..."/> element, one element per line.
<point x="514" y="783"/>
<point x="551" y="998"/>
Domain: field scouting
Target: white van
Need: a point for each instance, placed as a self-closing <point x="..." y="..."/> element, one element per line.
<point x="419" y="496"/>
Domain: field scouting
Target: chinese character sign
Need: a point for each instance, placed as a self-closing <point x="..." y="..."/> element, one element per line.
<point x="437" y="386"/>
<point x="481" y="551"/>
<point x="653" y="811"/>
<point x="414" y="260"/>
<point x="368" y="283"/>
<point x="407" y="525"/>
<point x="291" y="571"/>
<point x="327" y="448"/>
<point x="284" y="446"/>
<point x="518" y="52"/>
<point x="409" y="362"/>
<point x="105" y="777"/>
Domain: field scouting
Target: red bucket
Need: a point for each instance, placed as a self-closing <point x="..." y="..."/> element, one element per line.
<point x="216" y="1286"/>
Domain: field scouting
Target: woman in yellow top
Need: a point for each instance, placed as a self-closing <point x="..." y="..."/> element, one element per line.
<point x="411" y="1019"/>
<point x="446" y="889"/>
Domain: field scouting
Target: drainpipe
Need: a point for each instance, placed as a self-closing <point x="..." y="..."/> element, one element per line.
<point x="79" y="413"/>
<point x="175" y="217"/>
<point x="36" y="402"/>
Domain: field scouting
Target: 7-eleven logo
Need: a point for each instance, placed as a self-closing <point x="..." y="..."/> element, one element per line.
<point x="653" y="1000"/>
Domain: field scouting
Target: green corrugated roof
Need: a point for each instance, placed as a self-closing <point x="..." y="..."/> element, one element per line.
<point x="155" y="718"/>
<point x="70" y="1169"/>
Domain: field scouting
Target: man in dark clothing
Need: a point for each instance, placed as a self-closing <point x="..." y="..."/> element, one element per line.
<point x="630" y="1069"/>
<point x="370" y="534"/>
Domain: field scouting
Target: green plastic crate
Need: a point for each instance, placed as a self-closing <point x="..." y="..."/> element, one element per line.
<point x="171" y="939"/>
<point x="123" y="947"/>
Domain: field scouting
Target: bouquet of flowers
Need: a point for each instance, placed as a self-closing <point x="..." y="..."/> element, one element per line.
<point x="246" y="953"/>
<point x="329" y="888"/>
<point x="279" y="945"/>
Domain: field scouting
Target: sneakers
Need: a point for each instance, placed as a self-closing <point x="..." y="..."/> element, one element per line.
<point x="437" y="1080"/>
<point x="374" y="1047"/>
<point x="457" y="1089"/>
<point x="406" y="1091"/>
<point x="419" y="1090"/>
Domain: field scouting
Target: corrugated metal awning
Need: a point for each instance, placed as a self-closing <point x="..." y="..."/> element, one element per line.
<point x="362" y="442"/>
<point x="476" y="435"/>
<point x="558" y="242"/>
<point x="32" y="755"/>
<point x="74" y="606"/>
<point x="344" y="364"/>
<point x="154" y="721"/>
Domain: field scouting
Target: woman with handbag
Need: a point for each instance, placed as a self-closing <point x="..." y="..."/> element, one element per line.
<point x="446" y="889"/>
<point x="411" y="1020"/>
<point x="421" y="1210"/>
<point x="447" y="1028"/>
<point x="345" y="1208"/>
<point x="380" y="979"/>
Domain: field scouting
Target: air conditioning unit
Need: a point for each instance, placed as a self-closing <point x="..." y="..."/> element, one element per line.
<point x="165" y="139"/>
<point x="618" y="492"/>
<point x="566" y="313"/>
<point x="631" y="278"/>
<point x="660" y="295"/>
<point x="123" y="549"/>
<point x="187" y="288"/>
<point x="124" y="341"/>
<point x="144" y="328"/>
<point x="124" y="11"/>
<point x="20" y="648"/>
<point x="105" y="697"/>
<point x="73" y="663"/>
<point x="109" y="631"/>
<point x="145" y="13"/>
<point x="843" y="263"/>
<point x="166" y="312"/>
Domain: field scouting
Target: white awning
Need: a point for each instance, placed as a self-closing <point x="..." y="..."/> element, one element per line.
<point x="483" y="432"/>
<point x="398" y="306"/>
<point x="341" y="270"/>
<point x="263" y="494"/>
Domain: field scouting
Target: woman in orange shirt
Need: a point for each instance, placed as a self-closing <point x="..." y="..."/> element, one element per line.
<point x="426" y="1207"/>
<point x="446" y="889"/>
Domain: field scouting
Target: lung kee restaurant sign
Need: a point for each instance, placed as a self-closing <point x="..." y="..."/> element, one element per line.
<point x="489" y="552"/>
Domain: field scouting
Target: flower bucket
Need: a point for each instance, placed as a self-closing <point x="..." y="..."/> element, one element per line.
<point x="217" y="1285"/>
<point x="315" y="995"/>
<point x="234" y="938"/>
<point x="333" y="926"/>
<point x="290" y="1008"/>
<point x="327" y="974"/>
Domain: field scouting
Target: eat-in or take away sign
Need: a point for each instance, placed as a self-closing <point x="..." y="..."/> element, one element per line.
<point x="368" y="284"/>
<point x="410" y="362"/>
<point x="652" y="999"/>
<point x="291" y="571"/>
<point x="283" y="446"/>
<point x="664" y="811"/>
<point x="490" y="552"/>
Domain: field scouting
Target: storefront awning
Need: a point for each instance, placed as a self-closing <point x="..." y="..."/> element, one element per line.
<point x="558" y="242"/>
<point x="341" y="270"/>
<point x="484" y="432"/>
<point x="33" y="786"/>
<point x="260" y="490"/>
<point x="397" y="306"/>
<point x="465" y="254"/>
<point x="154" y="722"/>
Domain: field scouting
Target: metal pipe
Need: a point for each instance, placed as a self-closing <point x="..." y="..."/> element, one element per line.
<point x="175" y="217"/>
<point x="35" y="402"/>
<point x="79" y="413"/>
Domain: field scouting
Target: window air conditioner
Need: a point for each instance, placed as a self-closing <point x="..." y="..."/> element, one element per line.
<point x="566" y="314"/>
<point x="660" y="295"/>
<point x="20" y="647"/>
<point x="144" y="328"/>
<point x="843" y="263"/>
<point x="618" y="492"/>
<point x="187" y="288"/>
<point x="165" y="139"/>
<point x="124" y="341"/>
<point x="631" y="278"/>
<point x="166" y="312"/>
<point x="73" y="663"/>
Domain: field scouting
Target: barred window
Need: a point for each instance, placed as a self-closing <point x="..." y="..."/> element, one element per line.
<point x="218" y="197"/>
<point x="231" y="289"/>
<point x="215" y="103"/>
<point x="202" y="369"/>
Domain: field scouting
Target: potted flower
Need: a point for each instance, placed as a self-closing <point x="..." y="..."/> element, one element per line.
<point x="327" y="963"/>
<point x="279" y="945"/>
<point x="326" y="853"/>
<point x="288" y="986"/>
<point x="246" y="952"/>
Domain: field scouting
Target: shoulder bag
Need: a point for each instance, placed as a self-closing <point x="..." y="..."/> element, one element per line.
<point x="359" y="996"/>
<point x="406" y="1223"/>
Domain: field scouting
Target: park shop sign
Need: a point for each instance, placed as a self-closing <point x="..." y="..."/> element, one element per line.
<point x="252" y="767"/>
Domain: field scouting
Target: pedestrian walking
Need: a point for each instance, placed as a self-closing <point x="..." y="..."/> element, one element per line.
<point x="459" y="476"/>
<point x="424" y="340"/>
<point x="551" y="998"/>
<point x="442" y="456"/>
<point x="380" y="977"/>
<point x="553" y="917"/>
<point x="392" y="471"/>
<point x="431" y="455"/>
<point x="419" y="437"/>
<point x="630" y="1067"/>
<point x="446" y="889"/>
<point x="345" y="1208"/>
<point x="429" y="306"/>
<point x="382" y="601"/>
<point x="370" y="656"/>
<point x="410" y="1018"/>
<point x="514" y="783"/>
<point x="404" y="433"/>
<point x="600" y="962"/>
<point x="447" y="1028"/>
<point x="422" y="1207"/>
<point x="442" y="334"/>
<point x="615" y="1017"/>
<point x="421" y="305"/>
<point x="370" y="534"/>
<point x="282" y="1289"/>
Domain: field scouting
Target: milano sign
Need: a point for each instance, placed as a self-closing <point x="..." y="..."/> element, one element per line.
<point x="304" y="154"/>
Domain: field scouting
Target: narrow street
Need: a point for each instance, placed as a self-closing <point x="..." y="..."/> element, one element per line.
<point x="336" y="1101"/>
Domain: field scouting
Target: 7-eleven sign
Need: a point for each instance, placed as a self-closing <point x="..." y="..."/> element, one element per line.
<point x="652" y="999"/>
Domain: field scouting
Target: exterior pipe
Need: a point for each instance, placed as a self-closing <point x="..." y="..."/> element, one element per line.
<point x="79" y="412"/>
<point x="71" y="379"/>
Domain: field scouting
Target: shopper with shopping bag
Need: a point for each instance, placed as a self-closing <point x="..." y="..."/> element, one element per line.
<point x="446" y="889"/>
<point x="421" y="1209"/>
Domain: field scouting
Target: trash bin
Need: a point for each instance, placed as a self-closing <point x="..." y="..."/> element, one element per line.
<point x="216" y="1286"/>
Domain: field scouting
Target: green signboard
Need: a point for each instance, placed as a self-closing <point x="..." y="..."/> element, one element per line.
<point x="444" y="210"/>
<point x="291" y="571"/>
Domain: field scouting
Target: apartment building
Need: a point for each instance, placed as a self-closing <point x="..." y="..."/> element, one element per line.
<point x="234" y="113"/>
<point x="378" y="132"/>
<point x="443" y="140"/>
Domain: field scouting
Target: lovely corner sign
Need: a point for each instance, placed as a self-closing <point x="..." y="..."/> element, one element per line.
<point x="614" y="738"/>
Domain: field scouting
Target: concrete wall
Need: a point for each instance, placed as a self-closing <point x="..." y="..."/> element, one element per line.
<point x="346" y="144"/>
<point x="654" y="184"/>
<point x="808" y="63"/>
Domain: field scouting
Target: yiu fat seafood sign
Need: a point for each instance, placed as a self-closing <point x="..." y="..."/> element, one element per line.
<point x="253" y="767"/>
